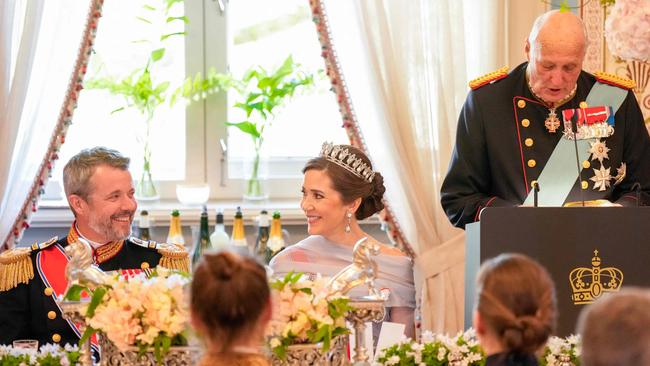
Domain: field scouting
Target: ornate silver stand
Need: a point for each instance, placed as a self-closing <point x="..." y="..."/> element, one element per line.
<point x="72" y="310"/>
<point x="311" y="354"/>
<point x="363" y="311"/>
<point x="177" y="356"/>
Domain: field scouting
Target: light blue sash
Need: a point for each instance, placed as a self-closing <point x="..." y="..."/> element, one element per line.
<point x="560" y="172"/>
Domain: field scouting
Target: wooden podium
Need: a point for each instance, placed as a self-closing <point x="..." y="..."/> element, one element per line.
<point x="589" y="251"/>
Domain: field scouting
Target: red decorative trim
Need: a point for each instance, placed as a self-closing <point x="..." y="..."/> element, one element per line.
<point x="521" y="148"/>
<point x="58" y="137"/>
<point x="350" y="122"/>
<point x="477" y="217"/>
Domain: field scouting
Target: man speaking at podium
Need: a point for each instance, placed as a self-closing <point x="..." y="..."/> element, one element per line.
<point x="525" y="128"/>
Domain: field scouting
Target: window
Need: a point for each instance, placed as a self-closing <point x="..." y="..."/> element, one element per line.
<point x="186" y="140"/>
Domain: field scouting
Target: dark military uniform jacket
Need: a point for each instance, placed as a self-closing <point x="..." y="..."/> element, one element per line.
<point x="502" y="145"/>
<point x="29" y="311"/>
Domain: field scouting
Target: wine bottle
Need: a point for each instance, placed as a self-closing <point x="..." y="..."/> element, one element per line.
<point x="276" y="240"/>
<point x="175" y="235"/>
<point x="143" y="225"/>
<point x="203" y="242"/>
<point x="219" y="237"/>
<point x="238" y="239"/>
<point x="261" y="242"/>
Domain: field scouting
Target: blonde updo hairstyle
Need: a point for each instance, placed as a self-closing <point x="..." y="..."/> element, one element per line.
<point x="350" y="186"/>
<point x="229" y="294"/>
<point x="516" y="301"/>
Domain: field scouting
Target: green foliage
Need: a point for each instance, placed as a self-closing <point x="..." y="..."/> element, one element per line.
<point x="50" y="355"/>
<point x="74" y="293"/>
<point x="145" y="89"/>
<point x="437" y="351"/>
<point x="319" y="332"/>
<point x="262" y="92"/>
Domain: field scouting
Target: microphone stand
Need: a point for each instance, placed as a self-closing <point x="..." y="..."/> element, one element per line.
<point x="637" y="188"/>
<point x="535" y="193"/>
<point x="574" y="129"/>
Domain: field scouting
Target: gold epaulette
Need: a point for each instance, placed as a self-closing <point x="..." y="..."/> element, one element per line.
<point x="173" y="257"/>
<point x="489" y="77"/>
<point x="614" y="80"/>
<point x="16" y="265"/>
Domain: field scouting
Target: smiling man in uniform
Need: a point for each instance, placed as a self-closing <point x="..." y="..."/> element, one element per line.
<point x="100" y="192"/>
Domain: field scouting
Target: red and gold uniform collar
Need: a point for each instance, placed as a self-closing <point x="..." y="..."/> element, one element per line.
<point x="102" y="253"/>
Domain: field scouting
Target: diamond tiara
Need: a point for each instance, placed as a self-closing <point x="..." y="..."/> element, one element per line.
<point x="346" y="160"/>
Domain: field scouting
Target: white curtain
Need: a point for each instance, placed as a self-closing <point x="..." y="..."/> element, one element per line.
<point x="38" y="49"/>
<point x="406" y="65"/>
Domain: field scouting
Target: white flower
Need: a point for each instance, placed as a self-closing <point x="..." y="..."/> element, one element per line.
<point x="442" y="352"/>
<point x="627" y="30"/>
<point x="393" y="360"/>
<point x="275" y="341"/>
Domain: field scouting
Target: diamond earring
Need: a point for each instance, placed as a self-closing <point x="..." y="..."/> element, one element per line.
<point x="347" y="227"/>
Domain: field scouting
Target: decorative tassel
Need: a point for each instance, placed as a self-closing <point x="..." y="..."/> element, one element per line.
<point x="15" y="268"/>
<point x="174" y="258"/>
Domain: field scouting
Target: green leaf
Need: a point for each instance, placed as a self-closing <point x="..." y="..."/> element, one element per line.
<point x="74" y="293"/>
<point x="165" y="36"/>
<point x="157" y="54"/>
<point x="95" y="300"/>
<point x="306" y="290"/>
<point x="183" y="18"/>
<point x="143" y="19"/>
<point x="246" y="127"/>
<point x="87" y="334"/>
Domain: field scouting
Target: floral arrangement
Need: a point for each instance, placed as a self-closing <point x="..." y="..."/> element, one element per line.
<point x="146" y="312"/>
<point x="559" y="351"/>
<point x="627" y="30"/>
<point x="435" y="350"/>
<point x="303" y="313"/>
<point x="47" y="355"/>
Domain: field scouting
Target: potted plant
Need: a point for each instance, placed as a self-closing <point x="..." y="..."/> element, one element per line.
<point x="261" y="94"/>
<point x="146" y="90"/>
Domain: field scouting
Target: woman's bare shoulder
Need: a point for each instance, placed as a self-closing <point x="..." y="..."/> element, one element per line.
<point x="391" y="250"/>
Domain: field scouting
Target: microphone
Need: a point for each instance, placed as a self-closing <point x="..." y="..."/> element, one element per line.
<point x="574" y="129"/>
<point x="636" y="187"/>
<point x="535" y="192"/>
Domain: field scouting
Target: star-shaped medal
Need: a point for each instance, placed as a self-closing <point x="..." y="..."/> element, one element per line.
<point x="620" y="173"/>
<point x="599" y="151"/>
<point x="601" y="178"/>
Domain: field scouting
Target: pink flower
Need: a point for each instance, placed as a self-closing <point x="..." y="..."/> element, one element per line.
<point x="627" y="30"/>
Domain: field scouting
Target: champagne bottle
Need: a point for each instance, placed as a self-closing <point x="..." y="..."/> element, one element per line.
<point x="261" y="246"/>
<point x="276" y="240"/>
<point x="175" y="235"/>
<point x="144" y="225"/>
<point x="219" y="237"/>
<point x="203" y="242"/>
<point x="238" y="240"/>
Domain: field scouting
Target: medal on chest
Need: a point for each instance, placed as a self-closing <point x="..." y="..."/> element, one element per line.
<point x="552" y="123"/>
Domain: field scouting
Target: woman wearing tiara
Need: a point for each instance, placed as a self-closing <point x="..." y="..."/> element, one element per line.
<point x="338" y="190"/>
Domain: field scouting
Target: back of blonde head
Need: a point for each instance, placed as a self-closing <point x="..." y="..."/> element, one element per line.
<point x="516" y="300"/>
<point x="616" y="329"/>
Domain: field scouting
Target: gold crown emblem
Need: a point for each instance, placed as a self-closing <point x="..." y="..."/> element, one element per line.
<point x="346" y="160"/>
<point x="588" y="284"/>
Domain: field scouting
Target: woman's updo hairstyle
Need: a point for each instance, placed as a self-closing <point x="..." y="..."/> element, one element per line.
<point x="229" y="294"/>
<point x="516" y="300"/>
<point x="351" y="186"/>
